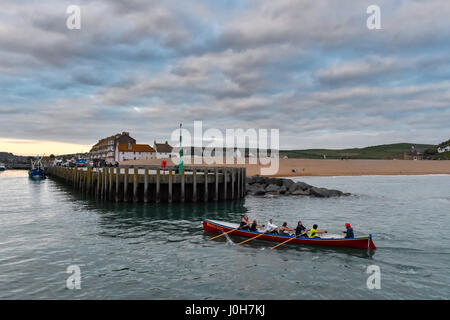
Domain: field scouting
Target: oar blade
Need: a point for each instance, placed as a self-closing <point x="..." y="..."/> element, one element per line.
<point x="259" y="235"/>
<point x="222" y="234"/>
<point x="280" y="244"/>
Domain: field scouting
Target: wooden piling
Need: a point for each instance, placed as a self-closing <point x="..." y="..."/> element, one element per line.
<point x="205" y="194"/>
<point x="146" y="185"/>
<point x="117" y="184"/>
<point x="182" y="196"/>
<point x="106" y="186"/>
<point x="244" y="183"/>
<point x="225" y="183"/>
<point x="170" y="186"/>
<point x="238" y="182"/>
<point x="158" y="185"/>
<point x="216" y="193"/>
<point x="194" y="185"/>
<point x="232" y="183"/>
<point x="135" y="185"/>
<point x="89" y="181"/>
<point x="97" y="194"/>
<point x="125" y="186"/>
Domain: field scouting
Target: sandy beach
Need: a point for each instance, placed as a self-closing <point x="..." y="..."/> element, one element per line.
<point x="322" y="167"/>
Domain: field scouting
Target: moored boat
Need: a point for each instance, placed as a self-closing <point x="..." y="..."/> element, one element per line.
<point x="37" y="169"/>
<point x="215" y="226"/>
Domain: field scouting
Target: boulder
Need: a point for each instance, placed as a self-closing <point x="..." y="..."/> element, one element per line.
<point x="272" y="188"/>
<point x="324" y="193"/>
<point x="256" y="189"/>
<point x="299" y="186"/>
<point x="259" y="186"/>
<point x="300" y="192"/>
<point x="252" y="188"/>
<point x="288" y="183"/>
<point x="254" y="179"/>
<point x="303" y="186"/>
<point x="275" y="181"/>
<point x="259" y="192"/>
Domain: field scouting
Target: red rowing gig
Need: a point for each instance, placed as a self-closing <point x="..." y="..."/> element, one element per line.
<point x="215" y="226"/>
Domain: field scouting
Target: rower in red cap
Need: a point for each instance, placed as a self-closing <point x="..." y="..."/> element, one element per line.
<point x="349" y="232"/>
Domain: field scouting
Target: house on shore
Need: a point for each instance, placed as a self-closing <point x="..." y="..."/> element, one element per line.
<point x="134" y="152"/>
<point x="163" y="150"/>
<point x="414" y="154"/>
<point x="443" y="149"/>
<point x="105" y="148"/>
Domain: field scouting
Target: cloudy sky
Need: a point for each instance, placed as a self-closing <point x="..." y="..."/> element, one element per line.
<point x="312" y="69"/>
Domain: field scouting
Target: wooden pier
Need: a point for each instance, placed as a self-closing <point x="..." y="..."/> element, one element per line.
<point x="153" y="184"/>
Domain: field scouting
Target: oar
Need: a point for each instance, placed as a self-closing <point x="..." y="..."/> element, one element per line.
<point x="220" y="235"/>
<point x="280" y="244"/>
<point x="259" y="235"/>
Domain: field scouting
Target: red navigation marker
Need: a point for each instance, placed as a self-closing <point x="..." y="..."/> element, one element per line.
<point x="164" y="166"/>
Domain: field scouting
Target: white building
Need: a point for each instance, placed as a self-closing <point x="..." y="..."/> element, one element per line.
<point x="134" y="152"/>
<point x="444" y="149"/>
<point x="163" y="150"/>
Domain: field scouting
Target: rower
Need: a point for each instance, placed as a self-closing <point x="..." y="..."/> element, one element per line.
<point x="245" y="223"/>
<point x="285" y="228"/>
<point x="314" y="231"/>
<point x="254" y="226"/>
<point x="349" y="233"/>
<point x="301" y="231"/>
<point x="270" y="227"/>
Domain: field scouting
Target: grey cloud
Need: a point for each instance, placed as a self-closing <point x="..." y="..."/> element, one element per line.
<point x="310" y="68"/>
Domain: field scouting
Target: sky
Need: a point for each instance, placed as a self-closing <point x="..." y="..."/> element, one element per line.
<point x="311" y="69"/>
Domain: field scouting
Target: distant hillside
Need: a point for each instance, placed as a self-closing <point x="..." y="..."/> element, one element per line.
<point x="385" y="151"/>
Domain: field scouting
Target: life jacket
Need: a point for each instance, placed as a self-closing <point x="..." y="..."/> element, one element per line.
<point x="312" y="233"/>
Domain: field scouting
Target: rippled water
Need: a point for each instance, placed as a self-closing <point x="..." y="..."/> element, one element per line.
<point x="128" y="251"/>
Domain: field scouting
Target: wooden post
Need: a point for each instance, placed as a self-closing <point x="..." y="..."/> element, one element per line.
<point x="194" y="185"/>
<point x="104" y="182"/>
<point x="182" y="186"/>
<point x="158" y="185"/>
<point x="216" y="194"/>
<point x="80" y="180"/>
<point x="86" y="181"/>
<point x="117" y="183"/>
<point x="245" y="182"/>
<point x="238" y="183"/>
<point x="99" y="182"/>
<point x="232" y="183"/>
<point x="146" y="185"/>
<point x="225" y="183"/>
<point x="170" y="185"/>
<point x="106" y="187"/>
<point x="135" y="185"/>
<point x="125" y="185"/>
<point x="77" y="177"/>
<point x="205" y="173"/>
<point x="89" y="181"/>
<point x="111" y="174"/>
